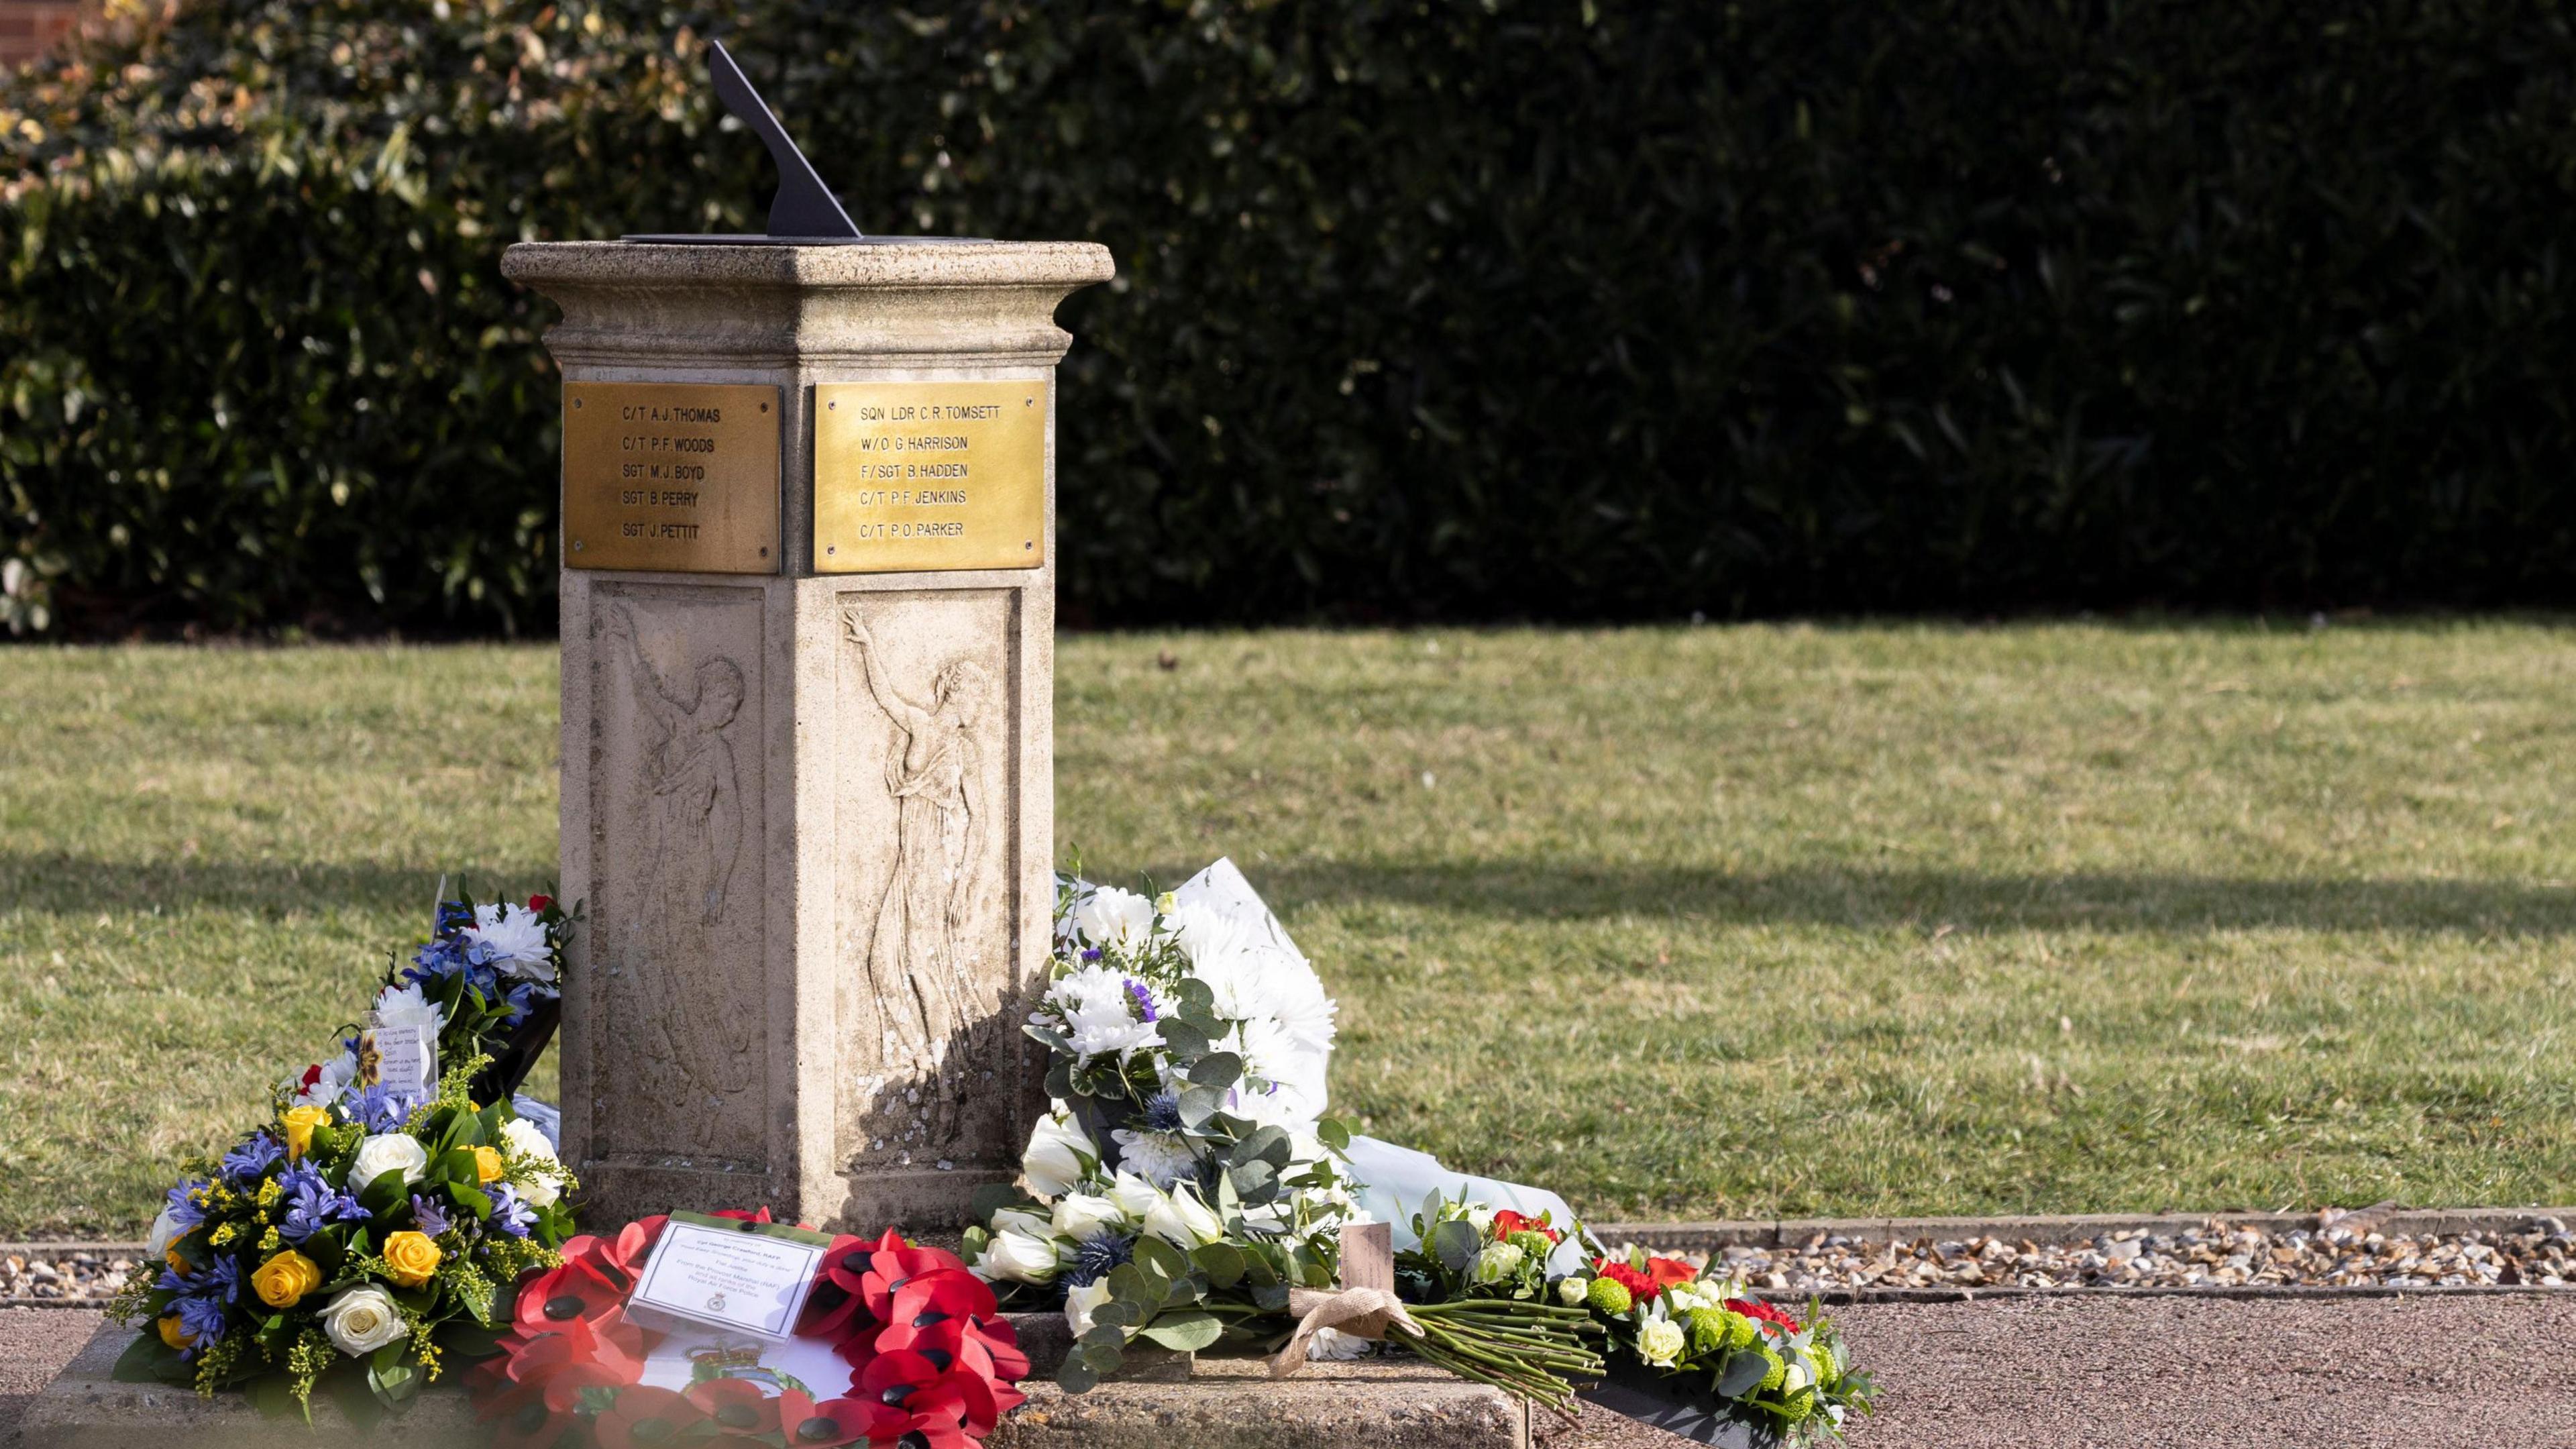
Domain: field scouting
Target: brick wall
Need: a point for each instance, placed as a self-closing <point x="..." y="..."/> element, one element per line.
<point x="28" y="28"/>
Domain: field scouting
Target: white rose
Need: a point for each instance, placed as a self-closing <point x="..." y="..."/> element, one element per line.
<point x="1021" y="1220"/>
<point x="1481" y="1218"/>
<point x="400" y="1006"/>
<point x="527" y="1139"/>
<point x="1800" y="1373"/>
<point x="1572" y="1291"/>
<point x="1134" y="1195"/>
<point x="539" y="1189"/>
<point x="385" y="1153"/>
<point x="1060" y="1155"/>
<point x="1114" y="919"/>
<point x="361" y="1320"/>
<point x="165" y="1231"/>
<point x="1679" y="1299"/>
<point x="1183" y="1221"/>
<point x="1018" y="1257"/>
<point x="1498" y="1262"/>
<point x="1660" y="1342"/>
<point x="1079" y="1215"/>
<point x="1078" y="1303"/>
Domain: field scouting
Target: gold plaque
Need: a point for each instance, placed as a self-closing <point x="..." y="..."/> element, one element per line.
<point x="671" y="475"/>
<point x="917" y="476"/>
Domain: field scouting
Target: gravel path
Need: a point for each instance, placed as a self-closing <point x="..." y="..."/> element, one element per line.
<point x="2414" y="1372"/>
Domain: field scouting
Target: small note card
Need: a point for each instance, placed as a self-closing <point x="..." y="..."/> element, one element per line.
<point x="404" y="1058"/>
<point x="721" y="1274"/>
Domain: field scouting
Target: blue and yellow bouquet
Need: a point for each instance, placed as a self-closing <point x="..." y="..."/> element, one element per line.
<point x="347" y="1245"/>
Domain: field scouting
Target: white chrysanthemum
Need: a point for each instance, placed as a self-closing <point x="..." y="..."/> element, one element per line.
<point x="516" y="937"/>
<point x="1114" y="920"/>
<point x="337" y="1074"/>
<point x="1161" y="1158"/>
<point x="1283" y="1082"/>
<point x="1099" y="1010"/>
<point x="401" y="1006"/>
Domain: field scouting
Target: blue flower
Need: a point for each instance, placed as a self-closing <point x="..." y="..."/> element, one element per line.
<point x="251" y="1161"/>
<point x="1094" y="1256"/>
<point x="1144" y="999"/>
<point x="184" y="1212"/>
<point x="219" y="1283"/>
<point x="453" y="916"/>
<point x="1163" y="1112"/>
<point x="427" y="1216"/>
<point x="202" y="1319"/>
<point x="509" y="1214"/>
<point x="380" y="1108"/>
<point x="312" y="1204"/>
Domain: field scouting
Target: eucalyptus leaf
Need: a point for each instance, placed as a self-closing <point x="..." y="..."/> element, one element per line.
<point x="1216" y="1069"/>
<point x="1198" y="1104"/>
<point x="1159" y="1257"/>
<point x="1255" y="1183"/>
<point x="991" y="1198"/>
<point x="1103" y="1335"/>
<point x="1183" y="1039"/>
<point x="1076" y="1376"/>
<point x="1455" y="1243"/>
<point x="1742" y="1373"/>
<point x="1115" y="1313"/>
<point x="1101" y="1357"/>
<point x="1185" y="1332"/>
<point x="1222" y="1262"/>
<point x="1334" y="1133"/>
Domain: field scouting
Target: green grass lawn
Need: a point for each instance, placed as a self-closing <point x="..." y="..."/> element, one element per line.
<point x="1707" y="922"/>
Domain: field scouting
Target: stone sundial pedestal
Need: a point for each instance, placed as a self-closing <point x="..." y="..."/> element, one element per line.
<point x="807" y="633"/>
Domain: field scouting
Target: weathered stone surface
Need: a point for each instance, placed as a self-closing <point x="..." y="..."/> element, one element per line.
<point x="811" y="816"/>
<point x="1226" y="1404"/>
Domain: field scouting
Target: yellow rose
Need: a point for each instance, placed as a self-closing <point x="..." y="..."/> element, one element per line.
<point x="173" y="1335"/>
<point x="410" y="1258"/>
<point x="487" y="1164"/>
<point x="286" y="1278"/>
<point x="299" y="1123"/>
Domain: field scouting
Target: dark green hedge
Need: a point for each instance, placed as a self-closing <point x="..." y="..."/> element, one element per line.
<point x="1523" y="308"/>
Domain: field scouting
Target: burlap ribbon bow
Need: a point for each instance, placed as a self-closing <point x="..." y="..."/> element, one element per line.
<point x="1368" y="1313"/>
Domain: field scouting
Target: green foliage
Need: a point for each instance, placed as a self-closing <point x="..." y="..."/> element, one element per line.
<point x="1512" y="308"/>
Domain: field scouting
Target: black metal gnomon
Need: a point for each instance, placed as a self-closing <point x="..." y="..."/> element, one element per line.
<point x="805" y="212"/>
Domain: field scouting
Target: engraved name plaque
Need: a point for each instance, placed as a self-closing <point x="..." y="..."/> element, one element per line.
<point x="674" y="476"/>
<point x="921" y="476"/>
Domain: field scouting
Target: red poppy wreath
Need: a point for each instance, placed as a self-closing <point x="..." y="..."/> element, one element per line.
<point x="915" y="1355"/>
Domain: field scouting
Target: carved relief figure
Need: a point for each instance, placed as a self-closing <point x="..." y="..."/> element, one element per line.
<point x="917" y="966"/>
<point x="693" y="820"/>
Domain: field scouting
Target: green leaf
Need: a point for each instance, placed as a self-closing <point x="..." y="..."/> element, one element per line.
<point x="1198" y="1104"/>
<point x="1183" y="1039"/>
<point x="991" y="1198"/>
<point x="1103" y="1335"/>
<point x="1334" y="1133"/>
<point x="1216" y="1069"/>
<point x="1255" y="1183"/>
<point x="457" y="1164"/>
<point x="1455" y="1243"/>
<point x="1185" y="1332"/>
<point x="1059" y="1084"/>
<point x="147" y="1360"/>
<point x="472" y="1199"/>
<point x="1160" y="1258"/>
<point x="1270" y="1297"/>
<point x="1267" y="1144"/>
<point x="383" y="1191"/>
<point x="1101" y="1357"/>
<point x="1222" y="1262"/>
<point x="1076" y="1377"/>
<point x="1741" y="1373"/>
<point x="1114" y="1314"/>
<point x="1129" y="1283"/>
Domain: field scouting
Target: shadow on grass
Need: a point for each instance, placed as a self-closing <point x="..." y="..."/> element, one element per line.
<point x="56" y="883"/>
<point x="1928" y="899"/>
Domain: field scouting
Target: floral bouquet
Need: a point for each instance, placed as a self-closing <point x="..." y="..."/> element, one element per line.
<point x="1692" y="1344"/>
<point x="898" y="1344"/>
<point x="1185" y="1188"/>
<point x="347" y="1245"/>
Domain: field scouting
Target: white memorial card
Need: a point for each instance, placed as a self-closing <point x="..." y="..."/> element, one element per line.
<point x="404" y="1058"/>
<point x="731" y="1278"/>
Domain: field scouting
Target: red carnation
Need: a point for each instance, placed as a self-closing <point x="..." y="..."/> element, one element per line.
<point x="539" y="903"/>
<point x="1756" y="1308"/>
<point x="312" y="1075"/>
<point x="1641" y="1287"/>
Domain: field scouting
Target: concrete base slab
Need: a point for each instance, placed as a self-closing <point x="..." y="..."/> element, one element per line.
<point x="1225" y="1404"/>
